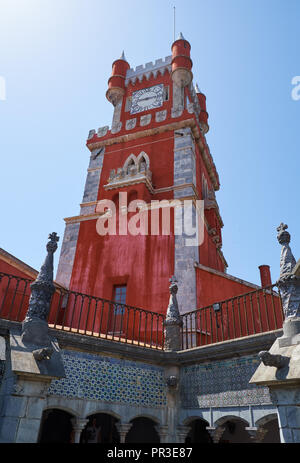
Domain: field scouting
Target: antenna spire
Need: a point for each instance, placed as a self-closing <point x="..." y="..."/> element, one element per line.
<point x="174" y="24"/>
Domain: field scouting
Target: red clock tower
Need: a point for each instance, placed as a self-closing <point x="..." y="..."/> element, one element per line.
<point x="155" y="150"/>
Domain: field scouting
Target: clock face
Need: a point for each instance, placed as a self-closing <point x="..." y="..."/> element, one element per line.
<point x="147" y="98"/>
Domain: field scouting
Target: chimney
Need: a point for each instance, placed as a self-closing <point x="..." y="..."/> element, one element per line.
<point x="265" y="275"/>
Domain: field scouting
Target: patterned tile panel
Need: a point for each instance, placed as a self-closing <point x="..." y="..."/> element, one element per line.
<point x="90" y="376"/>
<point x="223" y="383"/>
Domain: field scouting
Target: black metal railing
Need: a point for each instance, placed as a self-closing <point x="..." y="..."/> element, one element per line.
<point x="247" y="314"/>
<point x="84" y="314"/>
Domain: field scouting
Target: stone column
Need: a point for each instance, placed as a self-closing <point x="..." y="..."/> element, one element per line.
<point x="256" y="434"/>
<point x="163" y="431"/>
<point x="123" y="429"/>
<point x="216" y="433"/>
<point x="185" y="185"/>
<point x="182" y="432"/>
<point x="173" y="398"/>
<point x="78" y="426"/>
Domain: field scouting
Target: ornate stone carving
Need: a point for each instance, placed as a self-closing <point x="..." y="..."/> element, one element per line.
<point x="173" y="322"/>
<point x="123" y="429"/>
<point x="35" y="326"/>
<point x="273" y="360"/>
<point x="43" y="354"/>
<point x="173" y="314"/>
<point x="160" y="116"/>
<point x="116" y="127"/>
<point x="102" y="131"/>
<point x="177" y="112"/>
<point x="91" y="134"/>
<point x="216" y="433"/>
<point x="135" y="170"/>
<point x="145" y="120"/>
<point x="130" y="124"/>
<point x="289" y="282"/>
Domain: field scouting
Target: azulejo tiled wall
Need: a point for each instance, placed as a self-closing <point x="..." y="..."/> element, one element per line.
<point x="222" y="383"/>
<point x="108" y="379"/>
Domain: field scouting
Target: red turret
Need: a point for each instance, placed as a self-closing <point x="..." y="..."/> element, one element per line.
<point x="203" y="117"/>
<point x="181" y="62"/>
<point x="116" y="83"/>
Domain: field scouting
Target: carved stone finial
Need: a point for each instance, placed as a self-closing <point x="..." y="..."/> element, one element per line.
<point x="52" y="244"/>
<point x="173" y="321"/>
<point x="173" y="287"/>
<point x="288" y="283"/>
<point x="283" y="235"/>
<point x="35" y="326"/>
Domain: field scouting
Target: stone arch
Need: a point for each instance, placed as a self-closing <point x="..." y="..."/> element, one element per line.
<point x="198" y="432"/>
<point x="56" y="426"/>
<point x="143" y="430"/>
<point x="268" y="429"/>
<point x="98" y="411"/>
<point x="131" y="160"/>
<point x="58" y="406"/>
<point x="187" y="421"/>
<point x="143" y="157"/>
<point x="101" y="428"/>
<point x="220" y="421"/>
<point x="148" y="416"/>
<point x="233" y="429"/>
<point x="266" y="419"/>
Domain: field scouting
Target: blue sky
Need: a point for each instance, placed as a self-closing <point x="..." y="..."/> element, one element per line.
<point x="56" y="58"/>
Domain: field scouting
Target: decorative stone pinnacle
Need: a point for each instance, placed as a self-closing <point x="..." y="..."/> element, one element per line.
<point x="197" y="88"/>
<point x="283" y="235"/>
<point x="288" y="283"/>
<point x="173" y="314"/>
<point x="35" y="326"/>
<point x="52" y="244"/>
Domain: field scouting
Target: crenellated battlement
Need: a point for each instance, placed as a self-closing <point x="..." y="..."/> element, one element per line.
<point x="146" y="70"/>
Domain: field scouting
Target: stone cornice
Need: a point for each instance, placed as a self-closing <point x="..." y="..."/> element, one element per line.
<point x="230" y="349"/>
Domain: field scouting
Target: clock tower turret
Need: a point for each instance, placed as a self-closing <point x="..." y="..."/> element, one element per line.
<point x="155" y="151"/>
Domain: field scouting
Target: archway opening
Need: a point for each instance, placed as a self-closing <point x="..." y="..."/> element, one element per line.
<point x="56" y="426"/>
<point x="142" y="431"/>
<point x="271" y="432"/>
<point x="101" y="428"/>
<point x="198" y="432"/>
<point x="235" y="432"/>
